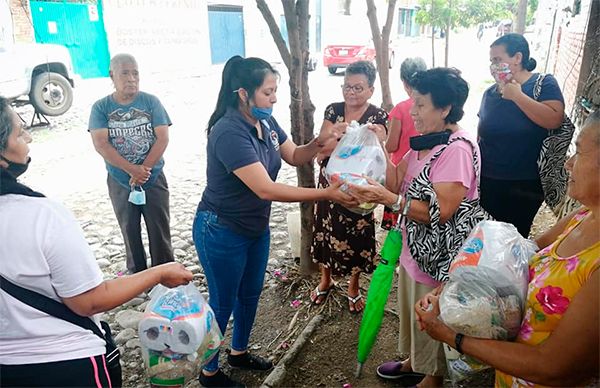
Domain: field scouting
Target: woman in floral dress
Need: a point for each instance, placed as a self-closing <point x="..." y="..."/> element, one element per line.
<point x="558" y="343"/>
<point x="343" y="241"/>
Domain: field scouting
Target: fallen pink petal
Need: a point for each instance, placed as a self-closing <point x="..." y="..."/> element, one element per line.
<point x="295" y="303"/>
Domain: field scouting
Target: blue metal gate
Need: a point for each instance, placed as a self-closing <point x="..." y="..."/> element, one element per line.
<point x="80" y="27"/>
<point x="226" y="29"/>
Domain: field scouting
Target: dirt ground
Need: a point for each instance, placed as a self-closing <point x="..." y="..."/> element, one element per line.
<point x="329" y="358"/>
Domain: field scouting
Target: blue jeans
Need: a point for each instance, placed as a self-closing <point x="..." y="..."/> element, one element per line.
<point x="235" y="267"/>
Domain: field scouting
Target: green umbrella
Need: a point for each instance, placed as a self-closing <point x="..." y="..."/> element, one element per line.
<point x="379" y="289"/>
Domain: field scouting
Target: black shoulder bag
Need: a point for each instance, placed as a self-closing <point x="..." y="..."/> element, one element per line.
<point x="59" y="310"/>
<point x="552" y="157"/>
<point x="433" y="246"/>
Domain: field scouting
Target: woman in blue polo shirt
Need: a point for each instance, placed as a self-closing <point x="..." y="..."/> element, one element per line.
<point x="512" y="127"/>
<point x="231" y="228"/>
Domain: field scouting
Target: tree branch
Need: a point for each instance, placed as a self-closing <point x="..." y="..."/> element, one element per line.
<point x="275" y="32"/>
<point x="381" y="42"/>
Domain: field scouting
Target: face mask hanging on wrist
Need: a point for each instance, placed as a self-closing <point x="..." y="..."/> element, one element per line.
<point x="137" y="197"/>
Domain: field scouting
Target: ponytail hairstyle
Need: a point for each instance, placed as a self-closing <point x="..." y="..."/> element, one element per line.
<point x="516" y="43"/>
<point x="248" y="74"/>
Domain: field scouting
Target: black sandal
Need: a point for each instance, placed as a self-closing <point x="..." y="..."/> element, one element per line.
<point x="249" y="361"/>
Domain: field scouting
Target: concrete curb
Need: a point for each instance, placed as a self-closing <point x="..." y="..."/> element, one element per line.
<point x="278" y="373"/>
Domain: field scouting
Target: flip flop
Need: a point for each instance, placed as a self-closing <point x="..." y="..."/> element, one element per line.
<point x="353" y="300"/>
<point x="318" y="294"/>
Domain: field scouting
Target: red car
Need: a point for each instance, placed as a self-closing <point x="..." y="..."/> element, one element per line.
<point x="340" y="56"/>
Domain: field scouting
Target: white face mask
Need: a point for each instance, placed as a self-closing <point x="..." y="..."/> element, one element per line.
<point x="137" y="197"/>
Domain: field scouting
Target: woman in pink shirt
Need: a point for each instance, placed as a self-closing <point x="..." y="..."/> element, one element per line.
<point x="402" y="126"/>
<point x="439" y="95"/>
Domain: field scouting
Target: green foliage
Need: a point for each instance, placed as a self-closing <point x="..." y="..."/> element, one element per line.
<point x="464" y="13"/>
<point x="532" y="6"/>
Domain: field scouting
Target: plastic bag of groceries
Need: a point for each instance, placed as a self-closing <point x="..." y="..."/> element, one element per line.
<point x="178" y="334"/>
<point x="487" y="290"/>
<point x="357" y="155"/>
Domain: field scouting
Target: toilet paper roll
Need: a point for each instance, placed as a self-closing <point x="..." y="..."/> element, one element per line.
<point x="180" y="336"/>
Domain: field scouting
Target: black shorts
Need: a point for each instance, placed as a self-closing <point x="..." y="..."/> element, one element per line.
<point x="82" y="372"/>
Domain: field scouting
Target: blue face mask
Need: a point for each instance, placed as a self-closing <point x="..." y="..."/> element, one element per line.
<point x="261" y="113"/>
<point x="137" y="197"/>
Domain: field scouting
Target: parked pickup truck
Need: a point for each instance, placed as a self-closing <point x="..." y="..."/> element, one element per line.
<point x="43" y="73"/>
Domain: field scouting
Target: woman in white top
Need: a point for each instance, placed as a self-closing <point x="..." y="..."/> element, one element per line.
<point x="43" y="249"/>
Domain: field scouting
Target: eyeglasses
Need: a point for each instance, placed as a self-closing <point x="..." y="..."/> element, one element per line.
<point x="355" y="88"/>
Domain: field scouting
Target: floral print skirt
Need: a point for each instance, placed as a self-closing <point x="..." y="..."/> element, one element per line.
<point x="342" y="240"/>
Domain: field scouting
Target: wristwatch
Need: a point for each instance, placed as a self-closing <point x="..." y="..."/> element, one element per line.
<point x="398" y="204"/>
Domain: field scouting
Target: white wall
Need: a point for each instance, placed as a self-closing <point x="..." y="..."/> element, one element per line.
<point x="338" y="28"/>
<point x="6" y="27"/>
<point x="166" y="37"/>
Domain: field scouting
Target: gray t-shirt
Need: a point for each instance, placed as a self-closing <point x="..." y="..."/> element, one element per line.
<point x="130" y="130"/>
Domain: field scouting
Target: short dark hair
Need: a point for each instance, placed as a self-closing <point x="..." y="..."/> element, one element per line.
<point x="409" y="67"/>
<point x="5" y="123"/>
<point x="516" y="43"/>
<point x="446" y="87"/>
<point x="365" y="68"/>
<point x="245" y="73"/>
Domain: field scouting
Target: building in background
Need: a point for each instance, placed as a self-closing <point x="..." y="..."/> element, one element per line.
<point x="565" y="41"/>
<point x="406" y="18"/>
<point x="175" y="36"/>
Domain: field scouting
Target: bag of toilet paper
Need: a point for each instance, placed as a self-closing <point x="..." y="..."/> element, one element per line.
<point x="178" y="334"/>
<point x="357" y="155"/>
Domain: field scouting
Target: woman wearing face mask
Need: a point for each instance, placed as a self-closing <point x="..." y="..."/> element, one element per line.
<point x="439" y="95"/>
<point x="512" y="127"/>
<point x="43" y="249"/>
<point x="231" y="227"/>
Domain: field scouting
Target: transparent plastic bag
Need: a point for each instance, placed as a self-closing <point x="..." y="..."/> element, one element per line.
<point x="487" y="289"/>
<point x="178" y="334"/>
<point x="357" y="155"/>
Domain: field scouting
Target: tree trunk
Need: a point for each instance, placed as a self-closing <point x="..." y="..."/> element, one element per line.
<point x="432" y="38"/>
<point x="347" y="6"/>
<point x="301" y="107"/>
<point x="521" y="17"/>
<point x="381" y="41"/>
<point x="448" y="28"/>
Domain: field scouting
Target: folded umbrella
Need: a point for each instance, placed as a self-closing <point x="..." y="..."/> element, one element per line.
<point x="377" y="295"/>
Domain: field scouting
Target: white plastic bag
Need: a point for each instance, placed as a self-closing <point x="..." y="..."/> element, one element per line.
<point x="179" y="334"/>
<point x="487" y="289"/>
<point x="357" y="155"/>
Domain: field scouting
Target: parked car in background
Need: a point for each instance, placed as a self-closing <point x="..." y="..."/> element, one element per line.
<point x="340" y="56"/>
<point x="42" y="73"/>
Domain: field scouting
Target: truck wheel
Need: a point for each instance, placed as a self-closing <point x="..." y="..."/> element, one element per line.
<point x="332" y="69"/>
<point x="51" y="94"/>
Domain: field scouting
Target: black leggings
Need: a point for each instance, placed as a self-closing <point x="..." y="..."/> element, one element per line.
<point x="515" y="202"/>
<point x="82" y="372"/>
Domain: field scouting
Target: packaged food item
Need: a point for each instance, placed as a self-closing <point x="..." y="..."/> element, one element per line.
<point x="179" y="334"/>
<point x="358" y="155"/>
<point x="487" y="289"/>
